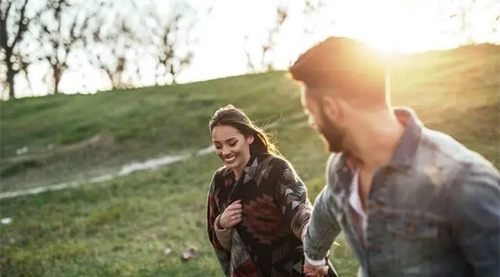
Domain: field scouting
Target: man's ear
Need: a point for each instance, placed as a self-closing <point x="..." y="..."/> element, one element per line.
<point x="331" y="107"/>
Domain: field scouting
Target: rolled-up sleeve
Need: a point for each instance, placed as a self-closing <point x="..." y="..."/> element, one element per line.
<point x="476" y="217"/>
<point x="322" y="230"/>
<point x="224" y="236"/>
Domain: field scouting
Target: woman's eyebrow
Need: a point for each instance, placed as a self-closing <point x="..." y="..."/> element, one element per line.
<point x="227" y="140"/>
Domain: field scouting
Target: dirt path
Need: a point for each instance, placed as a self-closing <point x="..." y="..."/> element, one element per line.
<point x="125" y="170"/>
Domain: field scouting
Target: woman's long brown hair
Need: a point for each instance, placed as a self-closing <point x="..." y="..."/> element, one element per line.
<point x="234" y="117"/>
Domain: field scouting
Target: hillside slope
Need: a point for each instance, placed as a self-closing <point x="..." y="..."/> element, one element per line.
<point x="124" y="226"/>
<point x="71" y="137"/>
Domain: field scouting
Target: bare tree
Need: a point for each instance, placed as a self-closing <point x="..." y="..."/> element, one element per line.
<point x="496" y="28"/>
<point x="460" y="15"/>
<point x="117" y="37"/>
<point x="109" y="48"/>
<point x="266" y="63"/>
<point x="15" y="59"/>
<point x="56" y="40"/>
<point x="117" y="47"/>
<point x="174" y="42"/>
<point x="310" y="10"/>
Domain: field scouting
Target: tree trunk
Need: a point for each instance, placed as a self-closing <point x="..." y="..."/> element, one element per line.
<point x="12" y="93"/>
<point x="173" y="73"/>
<point x="57" y="78"/>
<point x="10" y="81"/>
<point x="56" y="87"/>
<point x="110" y="77"/>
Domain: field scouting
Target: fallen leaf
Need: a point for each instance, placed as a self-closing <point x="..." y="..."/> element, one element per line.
<point x="189" y="254"/>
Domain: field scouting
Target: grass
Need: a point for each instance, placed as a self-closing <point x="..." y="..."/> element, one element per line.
<point x="122" y="227"/>
<point x="67" y="136"/>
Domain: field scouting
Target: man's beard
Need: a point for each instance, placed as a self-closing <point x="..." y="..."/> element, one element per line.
<point x="333" y="135"/>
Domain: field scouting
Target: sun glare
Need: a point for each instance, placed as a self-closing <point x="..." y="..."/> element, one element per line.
<point x="393" y="27"/>
<point x="380" y="32"/>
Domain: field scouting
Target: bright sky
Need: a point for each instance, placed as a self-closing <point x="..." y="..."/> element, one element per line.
<point x="390" y="25"/>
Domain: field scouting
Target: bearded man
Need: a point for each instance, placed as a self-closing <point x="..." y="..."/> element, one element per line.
<point x="410" y="201"/>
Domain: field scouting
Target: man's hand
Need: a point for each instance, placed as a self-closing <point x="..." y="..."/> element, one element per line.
<point x="312" y="271"/>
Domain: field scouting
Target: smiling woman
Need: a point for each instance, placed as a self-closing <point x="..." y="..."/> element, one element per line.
<point x="258" y="207"/>
<point x="236" y="138"/>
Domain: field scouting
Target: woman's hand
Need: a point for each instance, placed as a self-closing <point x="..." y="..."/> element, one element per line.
<point x="231" y="216"/>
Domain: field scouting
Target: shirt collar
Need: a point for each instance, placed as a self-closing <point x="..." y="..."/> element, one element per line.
<point x="406" y="148"/>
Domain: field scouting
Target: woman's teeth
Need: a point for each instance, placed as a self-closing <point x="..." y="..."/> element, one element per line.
<point x="230" y="159"/>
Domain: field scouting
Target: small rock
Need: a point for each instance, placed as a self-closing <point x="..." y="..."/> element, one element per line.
<point x="189" y="254"/>
<point x="6" y="221"/>
<point x="167" y="251"/>
<point x="22" y="150"/>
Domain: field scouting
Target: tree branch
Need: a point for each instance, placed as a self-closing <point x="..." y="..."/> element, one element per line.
<point x="22" y="27"/>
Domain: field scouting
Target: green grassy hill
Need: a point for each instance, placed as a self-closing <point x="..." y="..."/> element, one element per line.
<point x="121" y="227"/>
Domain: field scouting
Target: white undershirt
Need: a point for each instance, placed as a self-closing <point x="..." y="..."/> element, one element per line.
<point x="355" y="203"/>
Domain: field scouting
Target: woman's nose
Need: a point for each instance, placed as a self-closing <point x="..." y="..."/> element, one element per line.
<point x="225" y="150"/>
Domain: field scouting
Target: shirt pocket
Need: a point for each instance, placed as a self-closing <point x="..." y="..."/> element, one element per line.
<point x="416" y="238"/>
<point x="413" y="227"/>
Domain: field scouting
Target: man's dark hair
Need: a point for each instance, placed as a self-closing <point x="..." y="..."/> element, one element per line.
<point x="339" y="62"/>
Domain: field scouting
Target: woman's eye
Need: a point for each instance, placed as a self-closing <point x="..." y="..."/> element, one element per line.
<point x="232" y="144"/>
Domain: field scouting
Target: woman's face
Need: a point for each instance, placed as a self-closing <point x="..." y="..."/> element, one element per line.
<point x="231" y="146"/>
